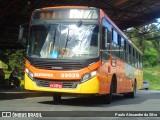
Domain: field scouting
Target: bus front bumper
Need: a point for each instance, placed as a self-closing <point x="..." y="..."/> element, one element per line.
<point x="89" y="87"/>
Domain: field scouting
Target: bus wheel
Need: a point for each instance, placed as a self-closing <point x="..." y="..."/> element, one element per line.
<point x="133" y="94"/>
<point x="56" y="98"/>
<point x="107" y="99"/>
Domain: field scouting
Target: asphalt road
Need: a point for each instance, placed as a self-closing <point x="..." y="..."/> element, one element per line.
<point x="144" y="101"/>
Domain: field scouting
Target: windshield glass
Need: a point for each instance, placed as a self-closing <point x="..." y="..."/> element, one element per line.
<point x="67" y="41"/>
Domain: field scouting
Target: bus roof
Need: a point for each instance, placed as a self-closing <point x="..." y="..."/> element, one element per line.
<point x="56" y="7"/>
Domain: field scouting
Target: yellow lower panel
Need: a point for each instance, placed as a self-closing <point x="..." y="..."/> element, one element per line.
<point x="89" y="87"/>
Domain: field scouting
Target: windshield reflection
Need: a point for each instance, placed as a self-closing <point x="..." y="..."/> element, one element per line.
<point x="63" y="41"/>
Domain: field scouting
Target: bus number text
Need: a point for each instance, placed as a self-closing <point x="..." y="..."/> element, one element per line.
<point x="70" y="75"/>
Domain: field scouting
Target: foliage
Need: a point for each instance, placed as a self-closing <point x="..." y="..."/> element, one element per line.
<point x="152" y="75"/>
<point x="144" y="39"/>
<point x="3" y="65"/>
<point x="13" y="58"/>
<point x="150" y="58"/>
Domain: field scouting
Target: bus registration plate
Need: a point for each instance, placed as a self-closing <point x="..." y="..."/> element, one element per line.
<point x="56" y="85"/>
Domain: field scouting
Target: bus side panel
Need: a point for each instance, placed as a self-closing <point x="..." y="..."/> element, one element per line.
<point x="125" y="82"/>
<point x="140" y="83"/>
<point x="104" y="78"/>
<point x="105" y="71"/>
<point x="139" y="78"/>
<point x="124" y="76"/>
<point x="121" y="79"/>
<point x="129" y="70"/>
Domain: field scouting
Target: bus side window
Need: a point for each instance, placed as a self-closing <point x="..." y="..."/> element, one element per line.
<point x="133" y="59"/>
<point x="141" y="67"/>
<point x="129" y="53"/>
<point x="136" y="59"/>
<point x="105" y="38"/>
<point x="122" y="48"/>
<point x="116" y="43"/>
<point x="105" y="45"/>
<point x="125" y="51"/>
<point x="119" y="46"/>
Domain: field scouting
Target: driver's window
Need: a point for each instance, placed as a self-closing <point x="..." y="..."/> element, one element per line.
<point x="106" y="37"/>
<point x="106" y="31"/>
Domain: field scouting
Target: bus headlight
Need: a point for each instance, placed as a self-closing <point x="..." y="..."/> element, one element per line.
<point x="89" y="75"/>
<point x="29" y="73"/>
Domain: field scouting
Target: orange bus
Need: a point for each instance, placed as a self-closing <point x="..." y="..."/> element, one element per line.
<point x="79" y="50"/>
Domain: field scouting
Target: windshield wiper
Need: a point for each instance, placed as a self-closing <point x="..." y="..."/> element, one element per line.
<point x="91" y="13"/>
<point x="69" y="37"/>
<point x="54" y="38"/>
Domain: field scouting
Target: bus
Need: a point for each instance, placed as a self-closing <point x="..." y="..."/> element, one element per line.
<point x="79" y="50"/>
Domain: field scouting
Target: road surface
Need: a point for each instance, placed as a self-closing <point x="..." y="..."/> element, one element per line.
<point x="144" y="101"/>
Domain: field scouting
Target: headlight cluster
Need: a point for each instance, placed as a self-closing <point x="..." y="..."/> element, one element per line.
<point x="89" y="75"/>
<point x="29" y="73"/>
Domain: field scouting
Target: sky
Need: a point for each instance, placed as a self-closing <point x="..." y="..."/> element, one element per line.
<point x="158" y="23"/>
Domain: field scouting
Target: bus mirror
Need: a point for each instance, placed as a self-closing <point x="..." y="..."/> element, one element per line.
<point x="21" y="29"/>
<point x="23" y="34"/>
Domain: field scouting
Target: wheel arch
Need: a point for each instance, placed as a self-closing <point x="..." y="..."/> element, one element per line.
<point x="135" y="83"/>
<point x="114" y="82"/>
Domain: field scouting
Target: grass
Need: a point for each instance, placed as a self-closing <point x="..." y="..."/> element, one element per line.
<point x="152" y="75"/>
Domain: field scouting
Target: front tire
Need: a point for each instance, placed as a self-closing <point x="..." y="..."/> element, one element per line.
<point x="56" y="98"/>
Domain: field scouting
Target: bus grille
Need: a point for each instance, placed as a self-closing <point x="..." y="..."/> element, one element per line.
<point x="58" y="65"/>
<point x="65" y="84"/>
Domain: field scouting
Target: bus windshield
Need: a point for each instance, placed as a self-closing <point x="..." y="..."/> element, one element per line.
<point x="63" y="41"/>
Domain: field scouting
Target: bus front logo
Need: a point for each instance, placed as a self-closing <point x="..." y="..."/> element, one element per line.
<point x="57" y="68"/>
<point x="43" y="75"/>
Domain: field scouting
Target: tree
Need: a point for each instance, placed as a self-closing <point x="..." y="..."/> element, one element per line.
<point x="13" y="57"/>
<point x="156" y="44"/>
<point x="143" y="38"/>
